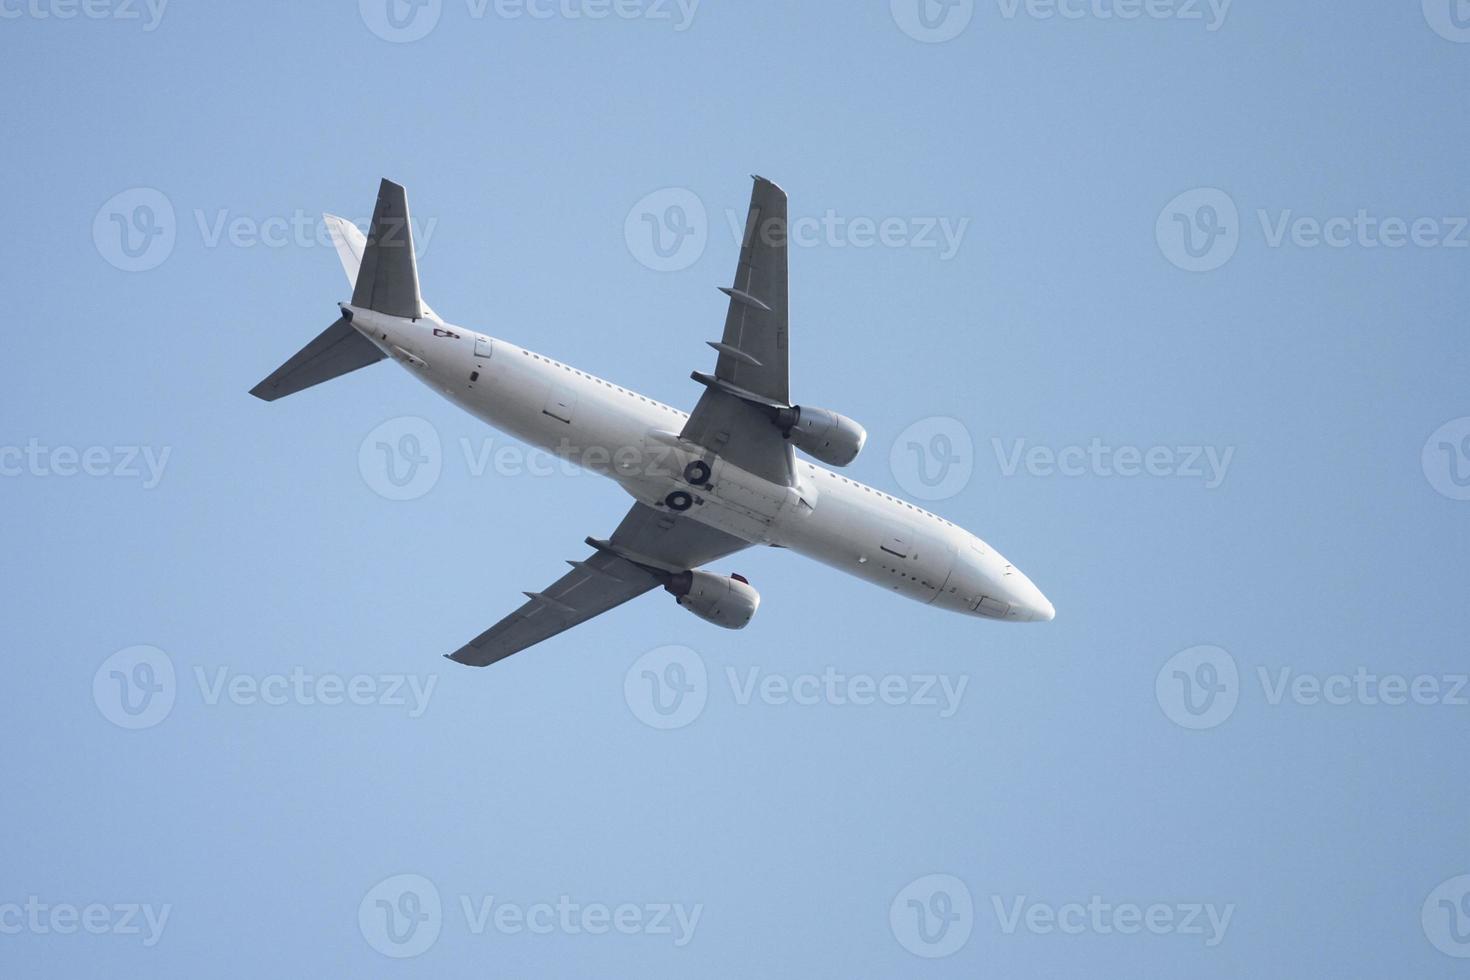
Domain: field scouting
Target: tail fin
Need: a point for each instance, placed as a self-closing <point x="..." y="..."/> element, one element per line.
<point x="388" y="276"/>
<point x="350" y="244"/>
<point x="384" y="277"/>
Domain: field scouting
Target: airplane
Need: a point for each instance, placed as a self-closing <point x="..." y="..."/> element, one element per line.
<point x="705" y="484"/>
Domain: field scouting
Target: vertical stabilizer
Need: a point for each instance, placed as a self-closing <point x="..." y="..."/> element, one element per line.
<point x="388" y="279"/>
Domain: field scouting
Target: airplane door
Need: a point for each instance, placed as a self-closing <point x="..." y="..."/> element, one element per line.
<point x="560" y="402"/>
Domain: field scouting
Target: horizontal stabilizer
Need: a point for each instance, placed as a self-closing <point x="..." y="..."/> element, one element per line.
<point x="336" y="351"/>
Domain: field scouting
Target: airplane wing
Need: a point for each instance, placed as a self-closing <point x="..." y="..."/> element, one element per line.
<point x="751" y="379"/>
<point x="645" y="549"/>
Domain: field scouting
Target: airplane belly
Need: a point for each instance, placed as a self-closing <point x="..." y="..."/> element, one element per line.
<point x="879" y="544"/>
<point x="680" y="477"/>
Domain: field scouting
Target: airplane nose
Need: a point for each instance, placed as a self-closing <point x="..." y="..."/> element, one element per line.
<point x="1033" y="606"/>
<point x="1045" y="612"/>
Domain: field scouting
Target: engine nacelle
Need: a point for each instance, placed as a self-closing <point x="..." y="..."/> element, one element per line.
<point x="823" y="434"/>
<point x="728" y="601"/>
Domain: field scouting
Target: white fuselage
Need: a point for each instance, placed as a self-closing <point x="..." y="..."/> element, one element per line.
<point x="635" y="441"/>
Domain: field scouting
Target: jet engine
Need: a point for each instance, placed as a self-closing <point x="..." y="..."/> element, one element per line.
<point x="823" y="434"/>
<point x="725" y="601"/>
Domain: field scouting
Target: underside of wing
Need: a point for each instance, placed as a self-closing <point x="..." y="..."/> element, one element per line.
<point x="592" y="586"/>
<point x="645" y="550"/>
<point x="752" y="373"/>
<point x="334" y="352"/>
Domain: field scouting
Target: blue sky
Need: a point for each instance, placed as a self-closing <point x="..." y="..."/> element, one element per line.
<point x="1169" y="297"/>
